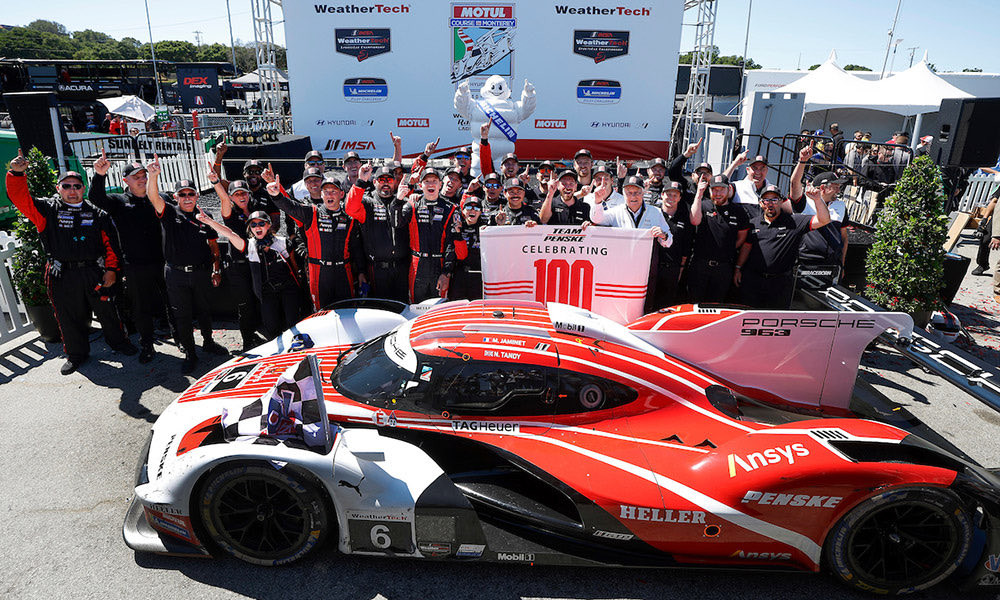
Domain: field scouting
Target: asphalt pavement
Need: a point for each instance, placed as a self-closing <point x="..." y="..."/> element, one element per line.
<point x="70" y="447"/>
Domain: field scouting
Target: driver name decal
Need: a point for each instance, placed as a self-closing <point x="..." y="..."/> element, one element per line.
<point x="485" y="427"/>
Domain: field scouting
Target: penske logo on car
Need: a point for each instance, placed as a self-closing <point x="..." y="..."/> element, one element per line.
<point x="804" y="500"/>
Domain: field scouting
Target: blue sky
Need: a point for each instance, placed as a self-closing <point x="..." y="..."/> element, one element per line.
<point x="784" y="33"/>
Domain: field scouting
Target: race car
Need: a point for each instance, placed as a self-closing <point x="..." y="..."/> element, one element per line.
<point x="545" y="434"/>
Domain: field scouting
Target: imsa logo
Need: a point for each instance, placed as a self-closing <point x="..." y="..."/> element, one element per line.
<point x="756" y="460"/>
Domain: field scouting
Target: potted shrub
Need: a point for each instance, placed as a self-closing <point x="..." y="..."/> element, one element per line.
<point x="28" y="262"/>
<point x="906" y="262"/>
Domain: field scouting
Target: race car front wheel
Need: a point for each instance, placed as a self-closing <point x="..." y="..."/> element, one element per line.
<point x="900" y="541"/>
<point x="263" y="515"/>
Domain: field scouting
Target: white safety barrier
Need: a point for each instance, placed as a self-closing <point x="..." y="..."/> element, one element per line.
<point x="15" y="318"/>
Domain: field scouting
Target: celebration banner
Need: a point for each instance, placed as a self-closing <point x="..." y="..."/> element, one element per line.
<point x="603" y="269"/>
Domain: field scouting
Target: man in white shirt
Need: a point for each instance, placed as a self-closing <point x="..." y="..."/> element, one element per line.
<point x="749" y="188"/>
<point x="603" y="191"/>
<point x="313" y="160"/>
<point x="634" y="214"/>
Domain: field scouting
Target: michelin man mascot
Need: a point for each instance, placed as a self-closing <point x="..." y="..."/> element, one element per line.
<point x="494" y="104"/>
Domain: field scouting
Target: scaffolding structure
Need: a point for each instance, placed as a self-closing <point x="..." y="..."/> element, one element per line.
<point x="691" y="120"/>
<point x="267" y="65"/>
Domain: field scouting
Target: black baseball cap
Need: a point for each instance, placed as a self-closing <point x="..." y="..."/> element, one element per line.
<point x="657" y="161"/>
<point x="583" y="152"/>
<point x="493" y="175"/>
<point x="67" y="174"/>
<point x="600" y="169"/>
<point x="509" y="156"/>
<point x="352" y="154"/>
<point x="258" y="215"/>
<point x="513" y="182"/>
<point x="238" y="186"/>
<point x="672" y="186"/>
<point x="828" y="177"/>
<point x="312" y="172"/>
<point x="704" y="165"/>
<point x="569" y="172"/>
<point x="183" y="184"/>
<point x="133" y="168"/>
<point x="547" y="165"/>
<point x="383" y="172"/>
<point x="313" y="154"/>
<point x="253" y="163"/>
<point x="464" y="150"/>
<point x="331" y="179"/>
<point x="759" y="159"/>
<point x="718" y="181"/>
<point x="429" y="172"/>
<point x="471" y="201"/>
<point x="772" y="189"/>
<point x="453" y="171"/>
<point x="634" y="180"/>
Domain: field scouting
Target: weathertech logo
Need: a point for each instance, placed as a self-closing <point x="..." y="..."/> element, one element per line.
<point x="413" y="122"/>
<point x="622" y="11"/>
<point x="360" y="10"/>
<point x="550" y="123"/>
<point x="771" y="456"/>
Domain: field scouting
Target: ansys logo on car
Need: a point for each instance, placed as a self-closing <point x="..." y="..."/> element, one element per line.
<point x="771" y="456"/>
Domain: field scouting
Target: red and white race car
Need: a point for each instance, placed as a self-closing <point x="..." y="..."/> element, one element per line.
<point x="520" y="432"/>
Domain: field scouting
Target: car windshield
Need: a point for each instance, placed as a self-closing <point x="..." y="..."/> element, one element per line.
<point x="377" y="369"/>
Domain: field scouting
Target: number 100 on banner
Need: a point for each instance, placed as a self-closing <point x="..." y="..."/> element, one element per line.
<point x="600" y="269"/>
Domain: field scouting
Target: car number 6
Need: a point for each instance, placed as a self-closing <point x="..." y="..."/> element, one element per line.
<point x="380" y="537"/>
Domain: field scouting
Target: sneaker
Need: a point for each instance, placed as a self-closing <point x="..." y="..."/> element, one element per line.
<point x="189" y="363"/>
<point x="979" y="270"/>
<point x="70" y="366"/>
<point x="146" y="354"/>
<point x="127" y="348"/>
<point x="212" y="347"/>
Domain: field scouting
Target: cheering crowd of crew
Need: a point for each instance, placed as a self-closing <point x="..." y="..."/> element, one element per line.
<point x="406" y="235"/>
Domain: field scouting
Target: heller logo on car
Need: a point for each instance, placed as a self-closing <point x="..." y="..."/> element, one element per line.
<point x="366" y="90"/>
<point x="600" y="45"/>
<point x="550" y="123"/>
<point x="485" y="427"/>
<point x="363" y="44"/>
<point x="483" y="15"/>
<point x="599" y="91"/>
<point x="656" y="515"/>
<point x="804" y="500"/>
<point x="401" y="122"/>
<point x="771" y="456"/>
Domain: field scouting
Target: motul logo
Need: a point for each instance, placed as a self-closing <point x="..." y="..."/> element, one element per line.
<point x="195" y="81"/>
<point x="413" y="122"/>
<point x="484" y="12"/>
<point x="550" y="123"/>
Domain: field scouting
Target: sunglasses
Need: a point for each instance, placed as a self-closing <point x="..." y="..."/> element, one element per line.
<point x="492" y="186"/>
<point x="771" y="200"/>
<point x="385" y="179"/>
<point x="186" y="194"/>
<point x="258" y="224"/>
<point x="315" y="163"/>
<point x="71" y="186"/>
<point x="253" y="172"/>
<point x="463" y="156"/>
<point x="544" y="170"/>
<point x="473" y="207"/>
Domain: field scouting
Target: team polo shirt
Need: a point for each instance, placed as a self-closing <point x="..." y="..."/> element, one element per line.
<point x="185" y="238"/>
<point x="716" y="236"/>
<point x="774" y="246"/>
<point x="565" y="214"/>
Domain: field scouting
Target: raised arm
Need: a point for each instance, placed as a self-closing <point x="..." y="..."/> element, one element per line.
<point x="224" y="199"/>
<point x="97" y="195"/>
<point x="739" y="160"/>
<point x="397" y="148"/>
<point x="695" y="217"/>
<point x="17" y="191"/>
<point x="795" y="190"/>
<point x="153" y="186"/>
<point x="545" y="211"/>
<point x="822" y="216"/>
<point x="235" y="239"/>
<point x="355" y="206"/>
<point x="301" y="213"/>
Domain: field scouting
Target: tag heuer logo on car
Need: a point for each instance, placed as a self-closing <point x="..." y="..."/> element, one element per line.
<point x="366" y="89"/>
<point x="600" y="45"/>
<point x="599" y="91"/>
<point x="362" y="44"/>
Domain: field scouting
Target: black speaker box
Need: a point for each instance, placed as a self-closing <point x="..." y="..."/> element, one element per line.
<point x="955" y="268"/>
<point x="968" y="136"/>
<point x="30" y="113"/>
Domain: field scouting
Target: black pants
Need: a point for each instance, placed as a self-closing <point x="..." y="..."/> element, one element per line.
<point x="279" y="309"/>
<point x="466" y="285"/>
<point x="189" y="298"/>
<point x="247" y="306"/>
<point x="423" y="278"/>
<point x="764" y="290"/>
<point x="666" y="293"/>
<point x="147" y="292"/>
<point x="329" y="283"/>
<point x="73" y="298"/>
<point x="709" y="282"/>
<point x="389" y="279"/>
<point x="983" y="256"/>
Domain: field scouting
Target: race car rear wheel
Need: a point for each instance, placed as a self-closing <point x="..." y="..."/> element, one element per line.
<point x="900" y="541"/>
<point x="263" y="515"/>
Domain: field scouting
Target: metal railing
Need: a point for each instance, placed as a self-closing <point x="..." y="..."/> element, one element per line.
<point x="977" y="192"/>
<point x="15" y="318"/>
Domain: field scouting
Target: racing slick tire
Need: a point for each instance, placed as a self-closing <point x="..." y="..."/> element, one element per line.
<point x="263" y="515"/>
<point x="900" y="541"/>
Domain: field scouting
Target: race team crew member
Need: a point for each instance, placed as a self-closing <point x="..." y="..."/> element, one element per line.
<point x="749" y="188"/>
<point x="493" y="201"/>
<point x="452" y="191"/>
<point x="673" y="258"/>
<point x="335" y="256"/>
<point x="510" y="167"/>
<point x="272" y="265"/>
<point x="236" y="214"/>
<point x="313" y="160"/>
<point x="583" y="162"/>
<point x="766" y="264"/>
<point x="675" y="172"/>
<point x="142" y="246"/>
<point x="515" y="212"/>
<point x="467" y="274"/>
<point x="567" y="209"/>
<point x="432" y="224"/>
<point x="462" y="160"/>
<point x="608" y="196"/>
<point x="253" y="171"/>
<point x="655" y="174"/>
<point x="826" y="245"/>
<point x="312" y="181"/>
<point x="722" y="229"/>
<point x="386" y="247"/>
<point x="83" y="261"/>
<point x="193" y="265"/>
<point x="540" y="185"/>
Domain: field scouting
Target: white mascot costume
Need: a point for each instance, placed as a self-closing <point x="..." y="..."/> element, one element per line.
<point x="495" y="104"/>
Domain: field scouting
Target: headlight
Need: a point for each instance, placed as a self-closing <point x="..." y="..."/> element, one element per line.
<point x="141" y="474"/>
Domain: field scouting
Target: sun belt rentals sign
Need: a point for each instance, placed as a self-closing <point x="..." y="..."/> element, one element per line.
<point x="604" y="72"/>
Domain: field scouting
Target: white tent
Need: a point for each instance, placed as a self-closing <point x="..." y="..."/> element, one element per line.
<point x="828" y="86"/>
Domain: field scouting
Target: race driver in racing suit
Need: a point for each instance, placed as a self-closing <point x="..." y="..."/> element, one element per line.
<point x="333" y="240"/>
<point x="386" y="247"/>
<point x="433" y="226"/>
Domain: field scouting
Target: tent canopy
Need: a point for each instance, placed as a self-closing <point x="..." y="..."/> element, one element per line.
<point x="914" y="91"/>
<point x="254" y="77"/>
<point x="133" y="107"/>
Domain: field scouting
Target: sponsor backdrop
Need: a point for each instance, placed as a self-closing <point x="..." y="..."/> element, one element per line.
<point x="199" y="89"/>
<point x="604" y="72"/>
<point x="603" y="269"/>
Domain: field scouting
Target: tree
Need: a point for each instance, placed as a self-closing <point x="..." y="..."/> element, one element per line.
<point x="214" y="53"/>
<point x="688" y="57"/>
<point x="172" y="50"/>
<point x="48" y="27"/>
<point x="814" y="67"/>
<point x="129" y="48"/>
<point x="22" y="42"/>
<point x="906" y="262"/>
<point x="856" y="68"/>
